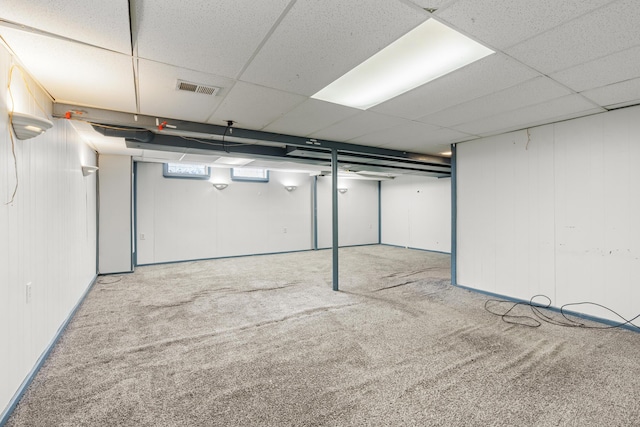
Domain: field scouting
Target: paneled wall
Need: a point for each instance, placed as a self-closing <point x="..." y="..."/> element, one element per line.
<point x="115" y="219"/>
<point x="554" y="210"/>
<point x="416" y="213"/>
<point x="357" y="212"/>
<point x="183" y="219"/>
<point x="47" y="234"/>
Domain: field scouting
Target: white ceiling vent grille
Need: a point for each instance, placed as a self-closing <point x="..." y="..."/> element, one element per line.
<point x="197" y="88"/>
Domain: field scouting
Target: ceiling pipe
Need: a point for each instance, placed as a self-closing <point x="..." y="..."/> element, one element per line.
<point x="140" y="135"/>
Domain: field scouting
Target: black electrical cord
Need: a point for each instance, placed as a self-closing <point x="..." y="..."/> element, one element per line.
<point x="111" y="282"/>
<point x="540" y="315"/>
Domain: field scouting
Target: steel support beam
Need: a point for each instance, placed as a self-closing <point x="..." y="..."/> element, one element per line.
<point x="173" y="126"/>
<point x="334" y="206"/>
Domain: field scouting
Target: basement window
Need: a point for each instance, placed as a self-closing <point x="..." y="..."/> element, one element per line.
<point x="184" y="170"/>
<point x="250" y="174"/>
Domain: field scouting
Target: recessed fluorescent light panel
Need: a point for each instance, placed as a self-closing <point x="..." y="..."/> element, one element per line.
<point x="425" y="53"/>
<point x="233" y="161"/>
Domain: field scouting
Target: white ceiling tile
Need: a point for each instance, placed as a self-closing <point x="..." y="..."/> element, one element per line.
<point x="76" y="73"/>
<point x="440" y="149"/>
<point x="198" y="158"/>
<point x="545" y="121"/>
<point x="309" y="117"/>
<point x="254" y="107"/>
<point x="610" y="69"/>
<point x="483" y="77"/>
<point x="503" y="23"/>
<point x="363" y="123"/>
<point x="408" y="132"/>
<point x="104" y="24"/>
<point x="319" y="41"/>
<point x="156" y="155"/>
<point x="214" y="37"/>
<point x="609" y="29"/>
<point x="624" y="92"/>
<point x="546" y="112"/>
<point x="531" y="92"/>
<point x="430" y="4"/>
<point x="160" y="97"/>
<point x="421" y="140"/>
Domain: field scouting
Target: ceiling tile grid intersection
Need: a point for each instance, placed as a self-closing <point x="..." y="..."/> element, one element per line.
<point x="583" y="39"/>
<point x="76" y="73"/>
<point x="103" y="24"/>
<point x="254" y="107"/>
<point x="504" y="23"/>
<point x="216" y="38"/>
<point x="531" y="92"/>
<point x="603" y="71"/>
<point x="317" y="42"/>
<point x="542" y="113"/>
<point x="491" y="74"/>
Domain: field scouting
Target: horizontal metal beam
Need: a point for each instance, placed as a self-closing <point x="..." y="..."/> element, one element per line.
<point x="367" y="159"/>
<point x="130" y="120"/>
<point x="177" y="144"/>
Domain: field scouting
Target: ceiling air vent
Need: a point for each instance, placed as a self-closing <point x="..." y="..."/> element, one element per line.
<point x="197" y="88"/>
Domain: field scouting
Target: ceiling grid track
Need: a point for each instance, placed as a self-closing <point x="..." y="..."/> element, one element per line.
<point x="257" y="50"/>
<point x="133" y="33"/>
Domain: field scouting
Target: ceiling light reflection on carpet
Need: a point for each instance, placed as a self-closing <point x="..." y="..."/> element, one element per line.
<point x="425" y="53"/>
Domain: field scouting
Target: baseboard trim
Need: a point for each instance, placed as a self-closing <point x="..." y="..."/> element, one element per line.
<point x="248" y="255"/>
<point x="415" y="249"/>
<point x="552" y="308"/>
<point x="4" y="416"/>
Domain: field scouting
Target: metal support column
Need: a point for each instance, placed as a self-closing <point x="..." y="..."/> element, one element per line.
<point x="315" y="213"/>
<point x="334" y="205"/>
<point x="379" y="212"/>
<point x="454" y="216"/>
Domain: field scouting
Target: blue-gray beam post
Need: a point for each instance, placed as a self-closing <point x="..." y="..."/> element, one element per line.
<point x="379" y="212"/>
<point x="315" y="213"/>
<point x="334" y="206"/>
<point x="454" y="216"/>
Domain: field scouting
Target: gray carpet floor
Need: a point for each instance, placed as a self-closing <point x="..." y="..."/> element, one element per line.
<point x="263" y="341"/>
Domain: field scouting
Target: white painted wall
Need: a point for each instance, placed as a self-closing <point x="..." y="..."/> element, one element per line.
<point x="47" y="234"/>
<point x="357" y="212"/>
<point x="115" y="231"/>
<point x="416" y="213"/>
<point x="555" y="212"/>
<point x="182" y="219"/>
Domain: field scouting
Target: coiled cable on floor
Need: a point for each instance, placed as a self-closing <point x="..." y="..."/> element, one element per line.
<point x="540" y="314"/>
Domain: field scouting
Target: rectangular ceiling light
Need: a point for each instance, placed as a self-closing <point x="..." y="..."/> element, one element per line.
<point x="233" y="161"/>
<point x="425" y="53"/>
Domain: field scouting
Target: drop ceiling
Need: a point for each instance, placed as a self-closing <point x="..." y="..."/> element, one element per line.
<point x="553" y="60"/>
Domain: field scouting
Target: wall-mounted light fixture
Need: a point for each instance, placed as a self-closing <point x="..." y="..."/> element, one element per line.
<point x="290" y="187"/>
<point x="220" y="186"/>
<point x="342" y="190"/>
<point x="88" y="170"/>
<point x="27" y="126"/>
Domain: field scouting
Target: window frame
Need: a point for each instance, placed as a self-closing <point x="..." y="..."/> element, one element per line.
<point x="167" y="174"/>
<point x="241" y="178"/>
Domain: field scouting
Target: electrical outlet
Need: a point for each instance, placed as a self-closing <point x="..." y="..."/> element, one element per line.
<point x="28" y="292"/>
<point x="142" y="237"/>
<point x="284" y="230"/>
